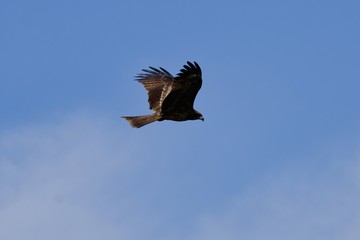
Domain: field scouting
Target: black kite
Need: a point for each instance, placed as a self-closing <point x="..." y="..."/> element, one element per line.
<point x="172" y="98"/>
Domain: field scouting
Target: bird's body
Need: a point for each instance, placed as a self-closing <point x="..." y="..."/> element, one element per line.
<point x="172" y="98"/>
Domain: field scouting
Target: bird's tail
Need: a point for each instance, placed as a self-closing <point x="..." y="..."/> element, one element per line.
<point x="139" y="121"/>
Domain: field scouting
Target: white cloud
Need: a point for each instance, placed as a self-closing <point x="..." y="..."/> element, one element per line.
<point x="54" y="179"/>
<point x="291" y="206"/>
<point x="77" y="178"/>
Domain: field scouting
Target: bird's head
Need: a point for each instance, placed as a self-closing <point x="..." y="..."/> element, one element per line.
<point x="198" y="115"/>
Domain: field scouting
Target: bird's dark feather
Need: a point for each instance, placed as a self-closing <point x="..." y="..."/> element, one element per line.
<point x="186" y="85"/>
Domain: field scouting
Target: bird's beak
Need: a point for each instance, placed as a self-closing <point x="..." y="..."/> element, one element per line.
<point x="202" y="118"/>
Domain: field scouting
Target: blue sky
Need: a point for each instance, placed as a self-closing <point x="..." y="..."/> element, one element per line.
<point x="277" y="157"/>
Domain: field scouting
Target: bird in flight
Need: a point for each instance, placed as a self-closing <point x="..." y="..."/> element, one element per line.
<point x="172" y="98"/>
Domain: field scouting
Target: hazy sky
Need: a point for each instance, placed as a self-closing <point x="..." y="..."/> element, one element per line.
<point x="277" y="157"/>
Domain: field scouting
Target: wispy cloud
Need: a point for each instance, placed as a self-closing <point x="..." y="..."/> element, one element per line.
<point x="291" y="205"/>
<point x="77" y="178"/>
<point x="56" y="180"/>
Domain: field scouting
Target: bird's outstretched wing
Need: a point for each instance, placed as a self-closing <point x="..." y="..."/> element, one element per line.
<point x="184" y="89"/>
<point x="158" y="83"/>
